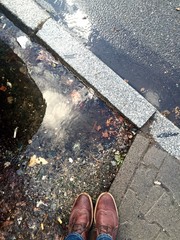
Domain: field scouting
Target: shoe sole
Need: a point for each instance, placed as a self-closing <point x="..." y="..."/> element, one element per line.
<point x="90" y="200"/>
<point x="95" y="209"/>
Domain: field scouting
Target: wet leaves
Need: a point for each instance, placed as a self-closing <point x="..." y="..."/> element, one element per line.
<point x="166" y="113"/>
<point x="76" y="97"/>
<point x="22" y="40"/>
<point x="3" y="88"/>
<point x="46" y="57"/>
<point x="36" y="160"/>
<point x="176" y="110"/>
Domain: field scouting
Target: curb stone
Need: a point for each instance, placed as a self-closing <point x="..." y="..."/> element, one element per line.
<point x="26" y="11"/>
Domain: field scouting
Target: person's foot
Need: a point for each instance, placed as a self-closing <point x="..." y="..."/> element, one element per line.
<point x="81" y="217"/>
<point x="106" y="215"/>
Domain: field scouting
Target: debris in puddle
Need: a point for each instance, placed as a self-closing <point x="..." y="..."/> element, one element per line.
<point x="45" y="56"/>
<point x="10" y="99"/>
<point x="36" y="160"/>
<point x="9" y="84"/>
<point x="59" y="220"/>
<point x="42" y="226"/>
<point x="70" y="160"/>
<point x="15" y="132"/>
<point x="22" y="40"/>
<point x="39" y="203"/>
<point x="7" y="164"/>
<point x="71" y="179"/>
<point x="165" y="113"/>
<point x="44" y="177"/>
<point x="19" y="220"/>
<point x="3" y="88"/>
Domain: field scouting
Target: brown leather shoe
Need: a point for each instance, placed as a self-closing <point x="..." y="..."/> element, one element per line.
<point x="81" y="217"/>
<point x="106" y="215"/>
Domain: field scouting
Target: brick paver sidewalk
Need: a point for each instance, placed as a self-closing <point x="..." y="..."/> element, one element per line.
<point x="147" y="191"/>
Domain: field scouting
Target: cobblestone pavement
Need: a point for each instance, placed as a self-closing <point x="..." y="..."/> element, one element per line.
<point x="147" y="192"/>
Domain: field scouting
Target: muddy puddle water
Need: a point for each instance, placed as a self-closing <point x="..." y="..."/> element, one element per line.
<point x="58" y="139"/>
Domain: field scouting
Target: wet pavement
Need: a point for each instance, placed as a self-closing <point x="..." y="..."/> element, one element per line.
<point x="57" y="140"/>
<point x="132" y="39"/>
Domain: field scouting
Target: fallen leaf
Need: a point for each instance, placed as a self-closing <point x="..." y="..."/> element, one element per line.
<point x="121" y="119"/>
<point x="76" y="97"/>
<point x="36" y="160"/>
<point x="109" y="121"/>
<point x="98" y="128"/>
<point x="105" y="134"/>
<point x="45" y="56"/>
<point x="33" y="161"/>
<point x="42" y="161"/>
<point x="7" y="223"/>
<point x="3" y="88"/>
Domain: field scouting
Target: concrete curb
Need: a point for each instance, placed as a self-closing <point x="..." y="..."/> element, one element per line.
<point x="92" y="70"/>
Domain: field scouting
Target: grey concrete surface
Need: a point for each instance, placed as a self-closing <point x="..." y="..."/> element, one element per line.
<point x="27" y="11"/>
<point x="148" y="199"/>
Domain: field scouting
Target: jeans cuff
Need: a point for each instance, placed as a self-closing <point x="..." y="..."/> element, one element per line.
<point x="74" y="236"/>
<point x="104" y="236"/>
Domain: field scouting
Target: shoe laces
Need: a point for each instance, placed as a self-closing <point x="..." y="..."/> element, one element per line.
<point x="106" y="229"/>
<point x="79" y="228"/>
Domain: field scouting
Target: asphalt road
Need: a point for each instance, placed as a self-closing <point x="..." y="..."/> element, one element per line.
<point x="138" y="39"/>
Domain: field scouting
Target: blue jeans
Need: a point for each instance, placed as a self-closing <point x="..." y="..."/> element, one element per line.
<point x="77" y="236"/>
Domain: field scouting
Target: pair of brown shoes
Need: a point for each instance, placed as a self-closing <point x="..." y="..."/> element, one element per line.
<point x="105" y="215"/>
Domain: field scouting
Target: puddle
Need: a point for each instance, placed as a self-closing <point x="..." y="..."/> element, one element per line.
<point x="59" y="139"/>
<point x="153" y="77"/>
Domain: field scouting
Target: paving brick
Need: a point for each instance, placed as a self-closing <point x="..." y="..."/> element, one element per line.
<point x="129" y="208"/>
<point x="154" y="156"/>
<point x="125" y="174"/>
<point x="139" y="230"/>
<point x="143" y="181"/>
<point x="167" y="214"/>
<point x="163" y="236"/>
<point x="152" y="197"/>
<point x="169" y="175"/>
<point x="27" y="11"/>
